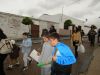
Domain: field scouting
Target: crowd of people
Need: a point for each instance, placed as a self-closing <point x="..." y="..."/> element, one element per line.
<point x="56" y="56"/>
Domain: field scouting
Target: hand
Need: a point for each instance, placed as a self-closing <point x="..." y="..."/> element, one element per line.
<point x="54" y="58"/>
<point x="46" y="63"/>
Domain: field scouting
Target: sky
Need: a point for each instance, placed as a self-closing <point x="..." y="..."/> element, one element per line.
<point x="81" y="9"/>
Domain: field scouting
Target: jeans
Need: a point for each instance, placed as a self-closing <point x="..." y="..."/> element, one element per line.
<point x="26" y="58"/>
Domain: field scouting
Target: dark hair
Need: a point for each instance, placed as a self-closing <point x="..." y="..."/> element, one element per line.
<point x="54" y="35"/>
<point x="2" y="35"/>
<point x="45" y="35"/>
<point x="74" y="29"/>
<point x="45" y="32"/>
<point x="53" y="26"/>
<point x="26" y="33"/>
<point x="79" y="28"/>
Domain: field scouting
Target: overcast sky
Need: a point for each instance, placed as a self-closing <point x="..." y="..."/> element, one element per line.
<point x="81" y="9"/>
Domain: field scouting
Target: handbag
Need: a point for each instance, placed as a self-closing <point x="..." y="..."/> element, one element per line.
<point x="81" y="48"/>
<point x="6" y="47"/>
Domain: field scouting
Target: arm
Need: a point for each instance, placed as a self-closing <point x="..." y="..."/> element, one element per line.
<point x="80" y="38"/>
<point x="48" y="53"/>
<point x="72" y="37"/>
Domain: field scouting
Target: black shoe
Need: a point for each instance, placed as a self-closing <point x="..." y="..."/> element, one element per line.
<point x="30" y="61"/>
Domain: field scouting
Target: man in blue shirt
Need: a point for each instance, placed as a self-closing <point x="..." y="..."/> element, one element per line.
<point x="62" y="57"/>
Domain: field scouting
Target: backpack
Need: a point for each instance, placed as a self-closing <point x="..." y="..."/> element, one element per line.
<point x="15" y="51"/>
<point x="15" y="48"/>
<point x="5" y="46"/>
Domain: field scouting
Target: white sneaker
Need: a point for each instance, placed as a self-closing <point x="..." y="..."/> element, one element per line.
<point x="25" y="68"/>
<point x="10" y="67"/>
<point x="17" y="64"/>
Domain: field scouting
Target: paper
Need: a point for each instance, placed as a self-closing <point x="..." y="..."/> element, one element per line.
<point x="34" y="55"/>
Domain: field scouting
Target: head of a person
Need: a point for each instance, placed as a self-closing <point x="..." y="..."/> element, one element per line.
<point x="78" y="29"/>
<point x="2" y="35"/>
<point x="25" y="35"/>
<point x="52" y="27"/>
<point x="74" y="29"/>
<point x="44" y="31"/>
<point x="92" y="27"/>
<point x="54" y="39"/>
<point x="45" y="36"/>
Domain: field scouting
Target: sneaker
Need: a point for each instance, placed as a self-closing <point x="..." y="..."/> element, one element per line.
<point x="25" y="68"/>
<point x="30" y="61"/>
<point x="10" y="67"/>
<point x="17" y="64"/>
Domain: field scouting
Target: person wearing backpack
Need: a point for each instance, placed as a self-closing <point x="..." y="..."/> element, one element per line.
<point x="98" y="37"/>
<point x="91" y="35"/>
<point x="5" y="49"/>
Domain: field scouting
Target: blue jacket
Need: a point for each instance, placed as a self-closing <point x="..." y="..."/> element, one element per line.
<point x="26" y="45"/>
<point x="64" y="55"/>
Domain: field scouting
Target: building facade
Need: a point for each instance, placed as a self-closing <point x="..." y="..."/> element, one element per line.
<point x="13" y="28"/>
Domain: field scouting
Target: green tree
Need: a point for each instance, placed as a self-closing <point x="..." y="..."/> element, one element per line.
<point x="28" y="21"/>
<point x="67" y="23"/>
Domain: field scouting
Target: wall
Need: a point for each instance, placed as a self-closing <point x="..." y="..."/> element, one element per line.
<point x="47" y="25"/>
<point x="12" y="26"/>
<point x="74" y="21"/>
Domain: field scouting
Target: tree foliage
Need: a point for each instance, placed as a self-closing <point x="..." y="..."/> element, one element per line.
<point x="67" y="23"/>
<point x="27" y="21"/>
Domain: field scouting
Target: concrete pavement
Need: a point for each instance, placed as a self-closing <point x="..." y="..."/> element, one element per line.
<point x="34" y="70"/>
<point x="94" y="68"/>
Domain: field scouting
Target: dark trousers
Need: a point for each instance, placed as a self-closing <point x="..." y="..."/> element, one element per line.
<point x="92" y="40"/>
<point x="98" y="39"/>
<point x="75" y="44"/>
<point x="2" y="59"/>
<point x="57" y="69"/>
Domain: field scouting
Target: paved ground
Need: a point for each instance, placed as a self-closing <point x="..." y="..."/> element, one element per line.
<point x="34" y="70"/>
<point x="81" y="67"/>
<point x="94" y="68"/>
